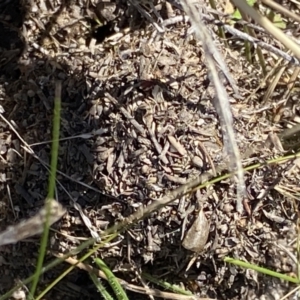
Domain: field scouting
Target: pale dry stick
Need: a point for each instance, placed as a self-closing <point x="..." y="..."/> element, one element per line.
<point x="78" y="238"/>
<point x="157" y="146"/>
<point x="272" y="86"/>
<point x="289" y="253"/>
<point x="217" y="22"/>
<point x="282" y="9"/>
<point x="221" y="64"/>
<point x="175" y="179"/>
<point x="86" y="221"/>
<point x="242" y="35"/>
<point x="150" y="125"/>
<point x="267" y="24"/>
<point x="288" y="92"/>
<point x="70" y="237"/>
<point x="261" y="44"/>
<point x="137" y="273"/>
<point x="220" y="30"/>
<point x="78" y="207"/>
<point x="214" y="52"/>
<point x="33" y="225"/>
<point x="292" y="82"/>
<point x="220" y="101"/>
<point x="10" y="200"/>
<point x="202" y="32"/>
<point x="203" y="148"/>
<point x="269" y="75"/>
<point x="3" y="159"/>
<point x="129" y="286"/>
<point x="285" y="193"/>
<point x="287" y="296"/>
<point x="211" y="19"/>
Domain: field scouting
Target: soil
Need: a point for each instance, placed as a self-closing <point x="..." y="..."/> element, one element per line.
<point x="137" y="120"/>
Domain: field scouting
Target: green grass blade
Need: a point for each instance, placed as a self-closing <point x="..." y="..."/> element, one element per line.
<point x="101" y="288"/>
<point x="261" y="270"/>
<point x="55" y="141"/>
<point x="112" y="280"/>
<point x="166" y="285"/>
<point x="298" y="248"/>
<point x="51" y="186"/>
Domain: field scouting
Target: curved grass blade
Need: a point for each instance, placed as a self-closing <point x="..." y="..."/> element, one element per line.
<point x="112" y="280"/>
<point x="166" y="285"/>
<point x="101" y="288"/>
<point x="261" y="270"/>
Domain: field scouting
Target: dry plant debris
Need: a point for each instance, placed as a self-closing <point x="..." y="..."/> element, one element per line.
<point x="32" y="226"/>
<point x="137" y="121"/>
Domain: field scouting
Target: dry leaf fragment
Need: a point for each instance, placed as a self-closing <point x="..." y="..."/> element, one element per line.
<point x="32" y="226"/>
<point x="176" y="145"/>
<point x="197" y="235"/>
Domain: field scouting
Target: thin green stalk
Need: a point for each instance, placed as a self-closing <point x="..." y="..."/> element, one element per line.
<point x="55" y="140"/>
<point x="51" y="187"/>
<point x="261" y="270"/>
<point x="298" y="248"/>
<point x="221" y="31"/>
<point x="260" y="55"/>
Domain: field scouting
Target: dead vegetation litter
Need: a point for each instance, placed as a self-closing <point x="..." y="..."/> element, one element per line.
<point x="138" y="121"/>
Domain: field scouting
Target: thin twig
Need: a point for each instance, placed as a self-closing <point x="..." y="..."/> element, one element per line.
<point x="242" y="35"/>
<point x="267" y="24"/>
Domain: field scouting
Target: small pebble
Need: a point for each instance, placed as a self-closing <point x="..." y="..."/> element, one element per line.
<point x="197" y="162"/>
